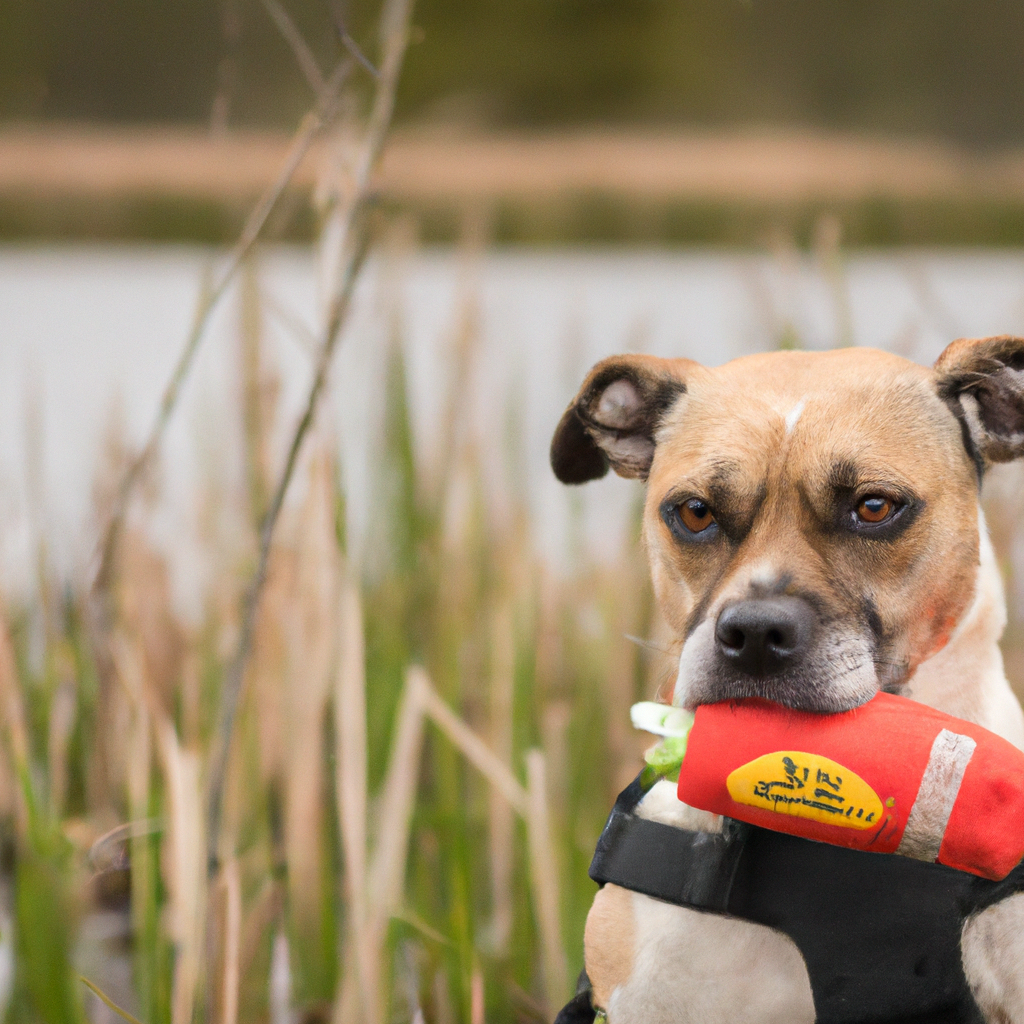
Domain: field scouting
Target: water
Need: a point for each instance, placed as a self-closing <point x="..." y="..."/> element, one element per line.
<point x="88" y="337"/>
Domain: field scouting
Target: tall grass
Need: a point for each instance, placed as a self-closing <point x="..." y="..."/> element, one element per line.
<point x="425" y="750"/>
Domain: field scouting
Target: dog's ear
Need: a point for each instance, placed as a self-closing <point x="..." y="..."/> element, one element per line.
<point x="982" y="381"/>
<point x="613" y="419"/>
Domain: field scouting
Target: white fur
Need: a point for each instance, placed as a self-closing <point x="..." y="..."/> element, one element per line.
<point x="694" y="968"/>
<point x="993" y="951"/>
<point x="794" y="414"/>
<point x="966" y="678"/>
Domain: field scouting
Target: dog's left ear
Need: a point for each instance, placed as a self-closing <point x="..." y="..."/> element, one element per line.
<point x="613" y="419"/>
<point x="982" y="381"/>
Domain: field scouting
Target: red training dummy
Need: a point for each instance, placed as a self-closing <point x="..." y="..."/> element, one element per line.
<point x="892" y="776"/>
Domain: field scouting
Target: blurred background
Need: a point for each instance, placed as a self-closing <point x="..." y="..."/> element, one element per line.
<point x="432" y="720"/>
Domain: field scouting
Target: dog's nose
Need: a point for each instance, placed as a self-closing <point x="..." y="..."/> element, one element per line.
<point x="764" y="636"/>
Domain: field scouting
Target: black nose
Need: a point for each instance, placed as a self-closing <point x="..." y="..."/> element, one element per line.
<point x="764" y="636"/>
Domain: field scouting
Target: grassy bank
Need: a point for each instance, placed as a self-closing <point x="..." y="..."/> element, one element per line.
<point x="591" y="218"/>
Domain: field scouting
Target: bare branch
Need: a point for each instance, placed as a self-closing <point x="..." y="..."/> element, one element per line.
<point x="344" y="37"/>
<point x="353" y="48"/>
<point x="293" y="37"/>
<point x="351" y="242"/>
<point x="211" y="294"/>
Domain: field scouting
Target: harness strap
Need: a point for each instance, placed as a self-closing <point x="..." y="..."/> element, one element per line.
<point x="880" y="934"/>
<point x="691" y="869"/>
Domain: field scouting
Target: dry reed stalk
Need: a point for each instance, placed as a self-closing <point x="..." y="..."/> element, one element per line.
<point x="619" y="678"/>
<point x="15" y="732"/>
<point x="444" y="1011"/>
<point x="265" y="909"/>
<point x="544" y="878"/>
<point x="185" y="869"/>
<point x="344" y="247"/>
<point x="476" y="997"/>
<point x="130" y="670"/>
<point x="475" y="750"/>
<point x="555" y="718"/>
<point x="311" y="638"/>
<point x="351" y="789"/>
<point x="280" y="981"/>
<point x="501" y="835"/>
<point x="63" y="710"/>
<point x="231" y="955"/>
<point x="184" y="846"/>
<point x="532" y="804"/>
<point x="270" y="667"/>
<point x="386" y="874"/>
<point x="191" y="696"/>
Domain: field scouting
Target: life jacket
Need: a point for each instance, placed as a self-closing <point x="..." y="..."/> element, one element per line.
<point x="879" y="934"/>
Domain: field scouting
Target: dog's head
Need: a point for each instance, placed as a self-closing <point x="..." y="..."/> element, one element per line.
<point x="811" y="519"/>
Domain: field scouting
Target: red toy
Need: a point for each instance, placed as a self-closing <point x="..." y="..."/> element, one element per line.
<point x="892" y="776"/>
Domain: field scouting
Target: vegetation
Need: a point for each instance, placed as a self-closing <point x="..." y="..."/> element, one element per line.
<point x="104" y="776"/>
<point x="938" y="67"/>
<point x="432" y="729"/>
<point x="244" y="816"/>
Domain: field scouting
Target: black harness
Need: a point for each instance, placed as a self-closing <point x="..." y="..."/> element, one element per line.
<point x="880" y="934"/>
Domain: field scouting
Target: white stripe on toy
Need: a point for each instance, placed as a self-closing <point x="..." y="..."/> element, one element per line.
<point x="951" y="753"/>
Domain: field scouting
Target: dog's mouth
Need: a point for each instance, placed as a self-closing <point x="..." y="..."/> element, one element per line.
<point x="795" y="692"/>
<point x="835" y="673"/>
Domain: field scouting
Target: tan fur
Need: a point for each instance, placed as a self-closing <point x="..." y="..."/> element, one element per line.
<point x="853" y="400"/>
<point x="609" y="942"/>
<point x="764" y="440"/>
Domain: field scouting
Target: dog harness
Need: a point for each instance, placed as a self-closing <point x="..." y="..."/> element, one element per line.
<point x="880" y="934"/>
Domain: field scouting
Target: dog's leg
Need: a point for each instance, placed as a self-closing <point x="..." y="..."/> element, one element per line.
<point x="993" y="951"/>
<point x="652" y="962"/>
<point x="655" y="963"/>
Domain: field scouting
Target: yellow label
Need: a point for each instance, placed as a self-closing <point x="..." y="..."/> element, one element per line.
<point x="808" y="786"/>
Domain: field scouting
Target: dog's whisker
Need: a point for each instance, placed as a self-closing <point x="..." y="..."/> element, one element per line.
<point x="649" y="645"/>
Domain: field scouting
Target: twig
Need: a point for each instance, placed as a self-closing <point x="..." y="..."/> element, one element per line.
<point x="290" y="320"/>
<point x="352" y="245"/>
<point x="103" y="997"/>
<point x="353" y="48"/>
<point x="544" y="876"/>
<point x="346" y="40"/>
<point x="250" y="604"/>
<point x="293" y="37"/>
<point x="212" y="292"/>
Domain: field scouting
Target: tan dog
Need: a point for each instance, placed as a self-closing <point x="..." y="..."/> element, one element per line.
<point x="814" y="535"/>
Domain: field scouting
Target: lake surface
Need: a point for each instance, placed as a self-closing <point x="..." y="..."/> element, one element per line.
<point x="88" y="337"/>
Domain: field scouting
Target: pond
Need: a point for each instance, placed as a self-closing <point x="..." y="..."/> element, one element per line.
<point x="89" y="335"/>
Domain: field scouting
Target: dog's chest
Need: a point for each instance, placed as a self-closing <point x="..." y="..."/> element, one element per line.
<point x="810" y="927"/>
<point x="690" y="967"/>
<point x="684" y="966"/>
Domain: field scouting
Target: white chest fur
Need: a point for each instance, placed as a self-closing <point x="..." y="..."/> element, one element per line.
<point x="671" y="965"/>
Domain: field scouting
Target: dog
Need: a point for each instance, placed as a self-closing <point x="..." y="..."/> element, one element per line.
<point x="814" y="533"/>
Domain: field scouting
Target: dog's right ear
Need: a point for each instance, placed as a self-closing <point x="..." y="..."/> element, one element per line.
<point x="613" y="419"/>
<point x="982" y="382"/>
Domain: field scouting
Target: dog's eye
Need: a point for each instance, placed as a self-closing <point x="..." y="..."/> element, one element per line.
<point x="689" y="520"/>
<point x="695" y="515"/>
<point x="875" y="508"/>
